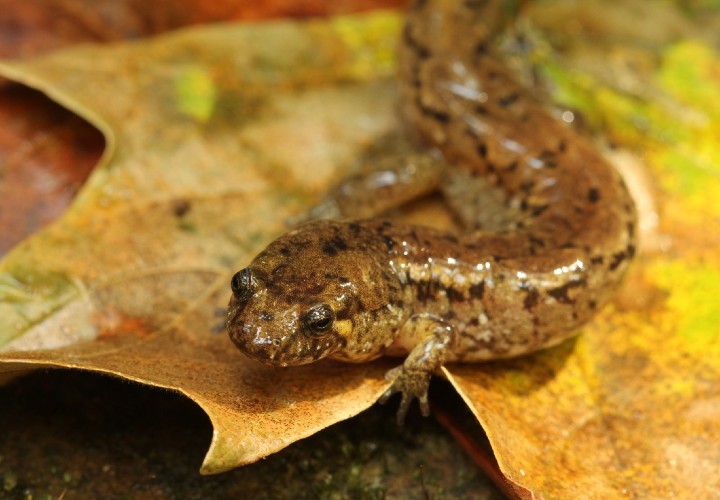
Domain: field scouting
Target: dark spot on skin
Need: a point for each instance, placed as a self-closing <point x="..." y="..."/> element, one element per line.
<point x="631" y="229"/>
<point x="562" y="146"/>
<point x="617" y="259"/>
<point x="536" y="242"/>
<point x="481" y="48"/>
<point x="481" y="110"/>
<point x="437" y="115"/>
<point x="421" y="291"/>
<point x="594" y="195"/>
<point x="482" y="150"/>
<point x="454" y="295"/>
<point x="427" y="290"/>
<point x="345" y="312"/>
<point x="422" y="52"/>
<point x="330" y="250"/>
<point x="339" y="243"/>
<point x="432" y="290"/>
<point x="354" y="227"/>
<point x="598" y="259"/>
<point x="507" y="100"/>
<point x="285" y="251"/>
<point x="551" y="164"/>
<point x="335" y="277"/>
<point x="510" y="167"/>
<point x="630" y="250"/>
<point x="531" y="299"/>
<point x="592" y="305"/>
<point x="474" y="322"/>
<point x="360" y="306"/>
<point x="390" y="244"/>
<point x="561" y="293"/>
<point x="181" y="207"/>
<point x="527" y="186"/>
<point x="451" y="238"/>
<point x="538" y="210"/>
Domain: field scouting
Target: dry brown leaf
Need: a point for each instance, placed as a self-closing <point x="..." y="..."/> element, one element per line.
<point x="36" y="26"/>
<point x="211" y="148"/>
<point x="46" y="152"/>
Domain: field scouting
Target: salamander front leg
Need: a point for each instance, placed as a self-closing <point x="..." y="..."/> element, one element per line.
<point x="389" y="182"/>
<point x="435" y="339"/>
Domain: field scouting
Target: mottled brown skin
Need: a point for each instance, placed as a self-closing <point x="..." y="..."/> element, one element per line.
<point x="550" y="228"/>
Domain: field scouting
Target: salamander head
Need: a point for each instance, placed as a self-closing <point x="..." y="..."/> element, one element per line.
<point x="300" y="299"/>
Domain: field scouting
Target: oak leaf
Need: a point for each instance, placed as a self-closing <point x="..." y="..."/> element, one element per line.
<point x="216" y="135"/>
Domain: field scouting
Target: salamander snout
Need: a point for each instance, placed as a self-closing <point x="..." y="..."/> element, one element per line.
<point x="278" y="328"/>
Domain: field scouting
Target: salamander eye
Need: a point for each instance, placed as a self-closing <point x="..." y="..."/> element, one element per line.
<point x="319" y="319"/>
<point x="241" y="284"/>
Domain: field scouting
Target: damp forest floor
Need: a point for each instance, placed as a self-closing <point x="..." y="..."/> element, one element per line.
<point x="69" y="435"/>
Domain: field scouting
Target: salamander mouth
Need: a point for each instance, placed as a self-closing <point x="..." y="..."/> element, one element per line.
<point x="289" y="349"/>
<point x="276" y="338"/>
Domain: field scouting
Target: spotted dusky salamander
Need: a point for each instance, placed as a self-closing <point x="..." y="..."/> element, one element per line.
<point x="549" y="227"/>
